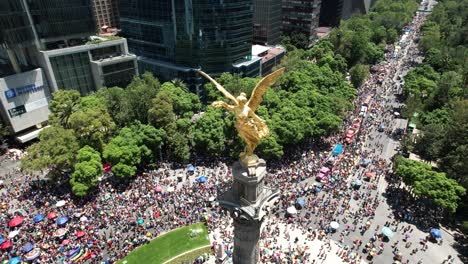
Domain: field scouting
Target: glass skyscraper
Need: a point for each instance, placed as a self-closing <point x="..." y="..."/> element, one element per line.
<point x="267" y="22"/>
<point x="62" y="19"/>
<point x="172" y="37"/>
<point x="16" y="38"/>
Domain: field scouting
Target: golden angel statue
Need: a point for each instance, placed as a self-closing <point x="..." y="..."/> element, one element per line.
<point x="250" y="126"/>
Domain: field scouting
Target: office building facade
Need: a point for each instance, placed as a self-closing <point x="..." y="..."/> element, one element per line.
<point x="301" y="17"/>
<point x="267" y="22"/>
<point x="45" y="46"/>
<point x="331" y="13"/>
<point x="86" y="68"/>
<point x="174" y="37"/>
<point x="106" y="13"/>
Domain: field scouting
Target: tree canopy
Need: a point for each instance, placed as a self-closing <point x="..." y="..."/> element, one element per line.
<point x="430" y="184"/>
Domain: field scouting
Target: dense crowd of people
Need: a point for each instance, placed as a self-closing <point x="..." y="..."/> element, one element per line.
<point x="119" y="217"/>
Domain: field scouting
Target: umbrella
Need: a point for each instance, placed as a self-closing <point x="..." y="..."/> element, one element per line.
<point x="62" y="220"/>
<point x="211" y="199"/>
<point x="51" y="215"/>
<point x="202" y="179"/>
<point x="84" y="219"/>
<point x="14" y="260"/>
<point x="38" y="218"/>
<point x="291" y="210"/>
<point x="33" y="254"/>
<point x="357" y="183"/>
<point x="158" y="188"/>
<point x="80" y="234"/>
<point x="1" y="240"/>
<point x="300" y="202"/>
<point x="60" y="232"/>
<point x="140" y="221"/>
<point x="26" y="248"/>
<point x="13" y="234"/>
<point x="338" y="149"/>
<point x="191" y="168"/>
<point x="436" y="233"/>
<point x="369" y="174"/>
<point x="65" y="242"/>
<point x="16" y="221"/>
<point x="334" y="225"/>
<point x="60" y="203"/>
<point x="387" y="232"/>
<point x="6" y="244"/>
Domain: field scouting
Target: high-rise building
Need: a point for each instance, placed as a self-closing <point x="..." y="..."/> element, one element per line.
<point x="173" y="37"/>
<point x="267" y="22"/>
<point x="45" y="45"/>
<point x="58" y="22"/>
<point x="351" y="7"/>
<point x="330" y="13"/>
<point x="301" y="17"/>
<point x="106" y="13"/>
<point x="333" y="11"/>
<point x="24" y="91"/>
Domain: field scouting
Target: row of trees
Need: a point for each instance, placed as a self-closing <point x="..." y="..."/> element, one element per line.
<point x="361" y="40"/>
<point x="437" y="91"/>
<point x="429" y="184"/>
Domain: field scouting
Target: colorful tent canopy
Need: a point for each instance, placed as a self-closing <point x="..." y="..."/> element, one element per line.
<point x="38" y="218"/>
<point x="60" y="203"/>
<point x="60" y="232"/>
<point x="300" y="202"/>
<point x="202" y="179"/>
<point x="14" y="260"/>
<point x="387" y="232"/>
<point x="33" y="254"/>
<point x="80" y="234"/>
<point x="26" y="248"/>
<point x="62" y="220"/>
<point x="436" y="233"/>
<point x="158" y="188"/>
<point x="291" y="210"/>
<point x="16" y="221"/>
<point x="334" y="225"/>
<point x="6" y="244"/>
<point x="51" y="215"/>
<point x="338" y="149"/>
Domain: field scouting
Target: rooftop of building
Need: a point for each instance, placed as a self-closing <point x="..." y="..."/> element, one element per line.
<point x="323" y="32"/>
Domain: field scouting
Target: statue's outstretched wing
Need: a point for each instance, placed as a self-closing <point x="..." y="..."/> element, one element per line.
<point x="262" y="87"/>
<point x="220" y="88"/>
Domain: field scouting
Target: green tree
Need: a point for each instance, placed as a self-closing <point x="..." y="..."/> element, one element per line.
<point x="359" y="73"/>
<point x="161" y="114"/>
<point x="208" y="133"/>
<point x="63" y="104"/>
<point x="429" y="184"/>
<point x="87" y="171"/>
<point x="56" y="151"/>
<point x="124" y="155"/>
<point x="92" y="125"/>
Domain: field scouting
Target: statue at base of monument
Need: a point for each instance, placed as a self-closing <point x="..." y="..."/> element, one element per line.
<point x="251" y="128"/>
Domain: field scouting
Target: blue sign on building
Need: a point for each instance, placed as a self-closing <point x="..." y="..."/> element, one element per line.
<point x="10" y="93"/>
<point x="32" y="88"/>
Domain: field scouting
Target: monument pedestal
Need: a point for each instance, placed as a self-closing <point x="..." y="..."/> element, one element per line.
<point x="248" y="201"/>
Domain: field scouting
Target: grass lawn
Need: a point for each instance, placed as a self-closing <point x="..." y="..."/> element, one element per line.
<point x="169" y="245"/>
<point x="191" y="256"/>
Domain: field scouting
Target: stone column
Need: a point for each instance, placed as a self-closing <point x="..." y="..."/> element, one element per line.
<point x="247" y="235"/>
